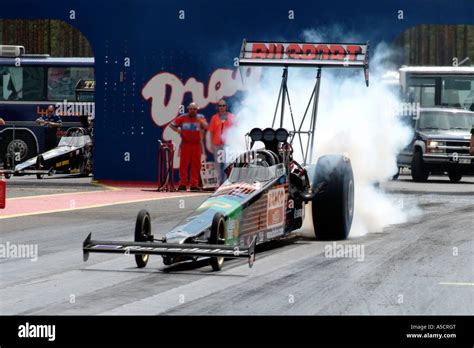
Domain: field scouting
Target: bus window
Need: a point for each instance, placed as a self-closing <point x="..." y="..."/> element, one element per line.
<point x="62" y="81"/>
<point x="21" y="83"/>
<point x="458" y="92"/>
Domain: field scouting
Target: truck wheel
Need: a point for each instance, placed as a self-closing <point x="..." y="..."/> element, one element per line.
<point x="419" y="173"/>
<point x="397" y="174"/>
<point x="455" y="176"/>
<point x="333" y="205"/>
<point x="217" y="237"/>
<point x="142" y="234"/>
<point x="39" y="166"/>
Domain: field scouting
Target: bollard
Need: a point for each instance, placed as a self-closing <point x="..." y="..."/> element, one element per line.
<point x="3" y="192"/>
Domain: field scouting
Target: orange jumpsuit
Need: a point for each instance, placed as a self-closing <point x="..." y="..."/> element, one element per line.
<point x="190" y="149"/>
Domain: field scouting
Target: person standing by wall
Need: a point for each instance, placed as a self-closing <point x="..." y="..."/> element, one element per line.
<point x="52" y="122"/>
<point x="220" y="121"/>
<point x="191" y="127"/>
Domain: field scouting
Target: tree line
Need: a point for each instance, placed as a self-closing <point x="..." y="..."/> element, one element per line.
<point x="53" y="37"/>
<point x="437" y="44"/>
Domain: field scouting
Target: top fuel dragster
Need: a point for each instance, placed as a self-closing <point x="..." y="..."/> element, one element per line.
<point x="266" y="191"/>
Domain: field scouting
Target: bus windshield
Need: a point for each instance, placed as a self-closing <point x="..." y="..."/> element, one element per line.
<point x="442" y="90"/>
<point x="445" y="120"/>
<point x="458" y="92"/>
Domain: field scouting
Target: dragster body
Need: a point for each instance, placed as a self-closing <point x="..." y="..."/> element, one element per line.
<point x="266" y="191"/>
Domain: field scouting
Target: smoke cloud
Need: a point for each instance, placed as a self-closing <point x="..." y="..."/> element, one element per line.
<point x="353" y="119"/>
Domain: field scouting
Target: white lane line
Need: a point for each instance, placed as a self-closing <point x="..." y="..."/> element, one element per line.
<point x="456" y="283"/>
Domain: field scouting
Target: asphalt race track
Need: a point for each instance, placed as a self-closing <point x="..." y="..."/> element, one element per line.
<point x="424" y="266"/>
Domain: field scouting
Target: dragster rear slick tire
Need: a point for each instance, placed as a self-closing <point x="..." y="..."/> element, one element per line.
<point x="217" y="237"/>
<point x="142" y="234"/>
<point x="333" y="206"/>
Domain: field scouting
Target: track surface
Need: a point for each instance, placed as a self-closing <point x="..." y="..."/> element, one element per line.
<point x="424" y="266"/>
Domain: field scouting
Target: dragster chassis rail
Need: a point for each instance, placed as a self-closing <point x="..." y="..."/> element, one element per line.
<point x="168" y="249"/>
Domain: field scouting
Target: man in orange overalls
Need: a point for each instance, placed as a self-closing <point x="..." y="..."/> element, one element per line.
<point x="220" y="122"/>
<point x="191" y="127"/>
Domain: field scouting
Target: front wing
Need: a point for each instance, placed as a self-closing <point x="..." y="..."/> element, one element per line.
<point x="168" y="249"/>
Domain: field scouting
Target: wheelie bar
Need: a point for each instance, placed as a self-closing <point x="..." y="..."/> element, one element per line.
<point x="169" y="249"/>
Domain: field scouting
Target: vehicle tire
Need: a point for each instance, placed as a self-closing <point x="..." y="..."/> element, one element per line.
<point x="24" y="143"/>
<point x="39" y="166"/>
<point x="84" y="168"/>
<point x="8" y="165"/>
<point x="419" y="173"/>
<point x="333" y="206"/>
<point x="455" y="176"/>
<point x="396" y="175"/>
<point x="217" y="237"/>
<point x="142" y="234"/>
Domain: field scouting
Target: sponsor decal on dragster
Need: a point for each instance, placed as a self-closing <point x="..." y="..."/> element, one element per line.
<point x="276" y="232"/>
<point x="221" y="204"/>
<point x="240" y="190"/>
<point x="232" y="229"/>
<point x="305" y="51"/>
<point x="276" y="203"/>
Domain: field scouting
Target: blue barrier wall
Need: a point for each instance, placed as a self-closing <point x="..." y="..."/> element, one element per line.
<point x="177" y="47"/>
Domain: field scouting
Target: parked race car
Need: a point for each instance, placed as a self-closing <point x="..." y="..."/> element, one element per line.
<point x="73" y="155"/>
<point x="266" y="192"/>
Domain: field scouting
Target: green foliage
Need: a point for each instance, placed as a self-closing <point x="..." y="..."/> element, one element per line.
<point x="437" y="44"/>
<point x="53" y="37"/>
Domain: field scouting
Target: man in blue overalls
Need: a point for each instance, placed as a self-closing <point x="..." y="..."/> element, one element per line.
<point x="52" y="122"/>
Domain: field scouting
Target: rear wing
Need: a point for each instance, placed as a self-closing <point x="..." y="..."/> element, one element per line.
<point x="306" y="54"/>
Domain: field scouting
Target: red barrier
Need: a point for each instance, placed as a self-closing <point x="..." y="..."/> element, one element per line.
<point x="165" y="166"/>
<point x="3" y="192"/>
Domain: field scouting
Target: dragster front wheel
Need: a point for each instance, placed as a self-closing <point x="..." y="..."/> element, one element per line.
<point x="217" y="237"/>
<point x="142" y="234"/>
